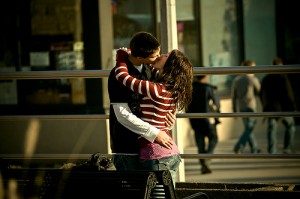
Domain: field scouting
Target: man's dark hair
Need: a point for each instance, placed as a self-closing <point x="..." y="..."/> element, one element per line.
<point x="248" y="62"/>
<point x="143" y="44"/>
<point x="277" y="61"/>
<point x="200" y="77"/>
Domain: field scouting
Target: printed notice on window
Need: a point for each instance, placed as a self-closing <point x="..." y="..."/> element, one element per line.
<point x="40" y="59"/>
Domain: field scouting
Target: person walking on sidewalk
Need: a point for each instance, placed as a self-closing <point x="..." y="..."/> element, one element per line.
<point x="245" y="89"/>
<point x="277" y="96"/>
<point x="204" y="99"/>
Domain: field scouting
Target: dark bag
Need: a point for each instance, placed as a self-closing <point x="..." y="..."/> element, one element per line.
<point x="96" y="162"/>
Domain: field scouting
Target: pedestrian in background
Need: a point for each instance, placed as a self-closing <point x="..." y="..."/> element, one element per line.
<point x="244" y="92"/>
<point x="204" y="99"/>
<point x="277" y="95"/>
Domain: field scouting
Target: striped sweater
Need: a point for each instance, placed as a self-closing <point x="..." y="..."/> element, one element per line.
<point x="155" y="105"/>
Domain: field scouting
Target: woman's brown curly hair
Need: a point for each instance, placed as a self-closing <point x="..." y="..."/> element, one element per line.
<point x="177" y="75"/>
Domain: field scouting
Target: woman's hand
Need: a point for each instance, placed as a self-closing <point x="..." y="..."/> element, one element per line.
<point x="122" y="54"/>
<point x="170" y="120"/>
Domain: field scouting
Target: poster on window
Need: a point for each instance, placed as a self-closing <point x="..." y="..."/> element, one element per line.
<point x="8" y="88"/>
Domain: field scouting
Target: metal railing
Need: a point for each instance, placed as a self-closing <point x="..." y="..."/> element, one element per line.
<point x="105" y="73"/>
<point x="188" y="156"/>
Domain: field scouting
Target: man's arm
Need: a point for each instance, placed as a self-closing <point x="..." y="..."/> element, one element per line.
<point x="136" y="125"/>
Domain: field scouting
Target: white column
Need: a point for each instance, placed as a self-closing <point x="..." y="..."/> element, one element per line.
<point x="169" y="42"/>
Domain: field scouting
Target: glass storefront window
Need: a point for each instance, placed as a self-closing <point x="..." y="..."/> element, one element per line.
<point x="130" y="17"/>
<point x="41" y="35"/>
<point x="187" y="29"/>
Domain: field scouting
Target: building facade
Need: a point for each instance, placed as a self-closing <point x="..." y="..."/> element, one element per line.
<point x="55" y="35"/>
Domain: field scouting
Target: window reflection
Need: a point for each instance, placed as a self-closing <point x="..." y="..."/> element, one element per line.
<point x="129" y="18"/>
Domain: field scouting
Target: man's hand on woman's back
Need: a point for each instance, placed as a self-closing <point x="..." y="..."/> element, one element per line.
<point x="164" y="139"/>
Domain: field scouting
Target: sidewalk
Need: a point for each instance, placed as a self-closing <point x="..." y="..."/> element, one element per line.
<point x="246" y="170"/>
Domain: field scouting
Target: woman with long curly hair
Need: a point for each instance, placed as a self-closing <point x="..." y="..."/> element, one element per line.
<point x="169" y="90"/>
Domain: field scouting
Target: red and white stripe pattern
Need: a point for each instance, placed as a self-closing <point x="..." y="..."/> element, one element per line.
<point x="157" y="101"/>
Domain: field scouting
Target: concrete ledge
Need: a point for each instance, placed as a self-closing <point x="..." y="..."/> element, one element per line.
<point x="238" y="190"/>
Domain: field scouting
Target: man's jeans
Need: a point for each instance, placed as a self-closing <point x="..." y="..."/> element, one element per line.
<point x="247" y="136"/>
<point x="289" y="133"/>
<point x="169" y="163"/>
<point x="212" y="141"/>
<point x="126" y="162"/>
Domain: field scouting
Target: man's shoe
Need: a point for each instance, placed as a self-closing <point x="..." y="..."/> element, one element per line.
<point x="237" y="151"/>
<point x="256" y="151"/>
<point x="205" y="169"/>
<point x="288" y="151"/>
